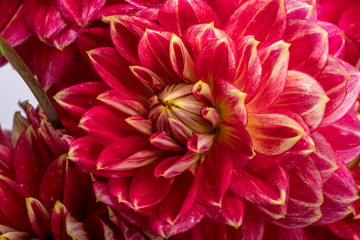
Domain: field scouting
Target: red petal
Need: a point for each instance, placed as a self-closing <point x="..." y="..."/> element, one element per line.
<point x="81" y="12"/>
<point x="164" y="142"/>
<point x="129" y="9"/>
<point x="266" y="19"/>
<point x="114" y="70"/>
<point x="248" y="71"/>
<point x="273" y="133"/>
<point x="310" y="58"/>
<point x="126" y="32"/>
<point x="147" y="190"/>
<point x="77" y="99"/>
<point x="274" y="61"/>
<point x="213" y="177"/>
<point x="153" y="52"/>
<point x="39" y="217"/>
<point x="176" y="16"/>
<point x="336" y="39"/>
<point x="251" y="230"/>
<point x="216" y="60"/>
<point x="105" y="124"/>
<point x="304" y="95"/>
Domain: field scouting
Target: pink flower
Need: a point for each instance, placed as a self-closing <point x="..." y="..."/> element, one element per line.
<point x="222" y="111"/>
<point x="42" y="194"/>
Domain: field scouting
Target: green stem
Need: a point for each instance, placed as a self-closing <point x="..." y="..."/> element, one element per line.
<point x="31" y="82"/>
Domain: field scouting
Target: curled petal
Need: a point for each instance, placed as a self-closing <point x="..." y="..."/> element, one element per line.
<point x="304" y="95"/>
<point x="215" y="61"/>
<point x="164" y="142"/>
<point x="310" y="58"/>
<point x="146" y="190"/>
<point x="78" y="98"/>
<point x="180" y="14"/>
<point x="265" y="19"/>
<point x="39" y="217"/>
<point x="337" y="43"/>
<point x="274" y="60"/>
<point x="273" y="133"/>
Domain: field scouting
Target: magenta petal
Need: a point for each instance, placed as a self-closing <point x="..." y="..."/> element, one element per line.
<point x="216" y="60"/>
<point x="15" y="32"/>
<point x="179" y="199"/>
<point x="248" y="71"/>
<point x="213" y="177"/>
<point x="81" y="12"/>
<point x="300" y="9"/>
<point x="163" y="141"/>
<point x="310" y="58"/>
<point x="126" y="32"/>
<point x="231" y="212"/>
<point x="114" y="70"/>
<point x="274" y="61"/>
<point x="251" y="230"/>
<point x="180" y="14"/>
<point x="336" y="39"/>
<point x="154" y="54"/>
<point x="146" y="190"/>
<point x="39" y="217"/>
<point x="129" y="9"/>
<point x="105" y="124"/>
<point x="265" y="19"/>
<point x="77" y="99"/>
<point x="51" y="63"/>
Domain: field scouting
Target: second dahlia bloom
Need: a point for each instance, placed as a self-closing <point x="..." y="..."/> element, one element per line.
<point x="231" y="112"/>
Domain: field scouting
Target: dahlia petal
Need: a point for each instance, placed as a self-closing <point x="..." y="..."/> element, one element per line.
<point x="336" y="39"/>
<point x="15" y="32"/>
<point x="113" y="69"/>
<point x="179" y="131"/>
<point x="312" y="57"/>
<point x="199" y="35"/>
<point x="213" y="177"/>
<point x="211" y="115"/>
<point x="230" y="102"/>
<point x="148" y="4"/>
<point x="183" y="224"/>
<point x="146" y="190"/>
<point x="104" y="194"/>
<point x="119" y="187"/>
<point x="127" y="154"/>
<point x="52" y="184"/>
<point x="35" y="11"/>
<point x="163" y="141"/>
<point x="230" y="213"/>
<point x="12" y="205"/>
<point x="263" y="190"/>
<point x="274" y="61"/>
<point x="144" y="126"/>
<point x="203" y="93"/>
<point x="126" y="31"/>
<point x="251" y="230"/>
<point x="64" y="225"/>
<point x="348" y="228"/>
<point x="103" y="232"/>
<point x="150" y="80"/>
<point x="274" y="232"/>
<point x="31" y="159"/>
<point x="66" y="37"/>
<point x="349" y="22"/>
<point x="179" y="199"/>
<point x="305" y="196"/>
<point x="216" y="60"/>
<point x="78" y="98"/>
<point x="173" y="166"/>
<point x="248" y="71"/>
<point x="344" y="137"/>
<point x="8" y="9"/>
<point x="153" y="52"/>
<point x="129" y="9"/>
<point x="211" y="230"/>
<point x="80" y="12"/>
<point x="265" y="19"/>
<point x="324" y="156"/>
<point x="39" y="217"/>
<point x="128" y="104"/>
<point x="51" y="63"/>
<point x="273" y="133"/>
<point x="300" y="9"/>
<point x="181" y="60"/>
<point x="200" y="143"/>
<point x="298" y="87"/>
<point x="106" y="124"/>
<point x="91" y="38"/>
<point x="352" y="91"/>
<point x="180" y="14"/>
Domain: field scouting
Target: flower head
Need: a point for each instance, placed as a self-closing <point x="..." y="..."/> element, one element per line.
<point x="224" y="112"/>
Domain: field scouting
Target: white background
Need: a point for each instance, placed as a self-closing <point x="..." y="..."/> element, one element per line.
<point x="12" y="90"/>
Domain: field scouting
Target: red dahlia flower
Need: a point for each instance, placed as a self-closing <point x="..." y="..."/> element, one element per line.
<point x="42" y="194"/>
<point x="228" y="112"/>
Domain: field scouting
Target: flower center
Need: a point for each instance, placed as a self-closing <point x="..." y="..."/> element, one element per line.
<point x="176" y="112"/>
